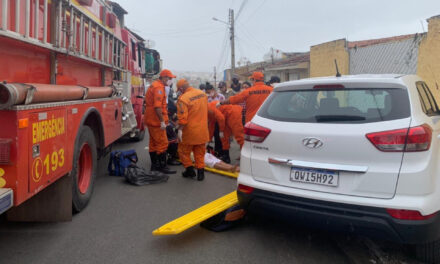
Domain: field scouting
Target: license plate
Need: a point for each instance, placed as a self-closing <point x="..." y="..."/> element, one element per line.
<point x="314" y="176"/>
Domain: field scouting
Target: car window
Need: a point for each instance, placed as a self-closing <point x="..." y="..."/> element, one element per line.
<point x="337" y="106"/>
<point x="427" y="100"/>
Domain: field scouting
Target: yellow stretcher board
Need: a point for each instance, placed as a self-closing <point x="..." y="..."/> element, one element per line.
<point x="197" y="216"/>
<point x="226" y="173"/>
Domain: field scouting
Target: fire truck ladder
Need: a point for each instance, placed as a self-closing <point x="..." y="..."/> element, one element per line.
<point x="69" y="30"/>
<point x="123" y="89"/>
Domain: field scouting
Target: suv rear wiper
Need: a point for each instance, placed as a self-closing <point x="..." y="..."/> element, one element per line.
<point x="335" y="118"/>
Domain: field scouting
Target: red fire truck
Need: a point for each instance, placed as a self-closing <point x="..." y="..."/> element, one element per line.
<point x="72" y="83"/>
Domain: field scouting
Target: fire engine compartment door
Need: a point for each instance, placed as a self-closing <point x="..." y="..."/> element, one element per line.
<point x="48" y="148"/>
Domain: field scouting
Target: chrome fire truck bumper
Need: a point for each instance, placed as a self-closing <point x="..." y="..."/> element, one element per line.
<point x="6" y="199"/>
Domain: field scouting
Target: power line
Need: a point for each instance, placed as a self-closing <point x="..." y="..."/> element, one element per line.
<point x="226" y="57"/>
<point x="250" y="45"/>
<point x="255" y="11"/>
<point x="251" y="36"/>
<point x="252" y="40"/>
<point x="240" y="49"/>
<point x="223" y="49"/>
<point x="186" y="35"/>
<point x="181" y="31"/>
<point x="189" y="22"/>
<point x="243" y="4"/>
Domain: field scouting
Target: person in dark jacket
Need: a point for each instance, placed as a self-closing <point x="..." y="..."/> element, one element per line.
<point x="172" y="156"/>
<point x="273" y="80"/>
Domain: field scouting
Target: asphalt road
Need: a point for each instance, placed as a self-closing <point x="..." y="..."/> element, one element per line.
<point x="117" y="224"/>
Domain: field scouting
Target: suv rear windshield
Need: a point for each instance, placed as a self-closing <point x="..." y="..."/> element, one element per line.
<point x="337" y="106"/>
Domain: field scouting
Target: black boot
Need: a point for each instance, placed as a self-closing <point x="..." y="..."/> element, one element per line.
<point x="163" y="164"/>
<point x="173" y="161"/>
<point x="155" y="165"/>
<point x="200" y="174"/>
<point x="172" y="155"/>
<point x="189" y="172"/>
<point x="225" y="156"/>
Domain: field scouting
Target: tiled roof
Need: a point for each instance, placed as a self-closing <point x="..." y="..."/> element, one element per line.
<point x="364" y="43"/>
<point x="388" y="57"/>
<point x="434" y="17"/>
<point x="299" y="57"/>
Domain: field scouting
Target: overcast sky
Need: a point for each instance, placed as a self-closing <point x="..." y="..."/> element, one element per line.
<point x="189" y="40"/>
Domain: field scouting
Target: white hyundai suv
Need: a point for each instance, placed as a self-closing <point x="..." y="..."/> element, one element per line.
<point x="356" y="153"/>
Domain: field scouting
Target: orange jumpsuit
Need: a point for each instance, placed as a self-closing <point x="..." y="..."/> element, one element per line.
<point x="192" y="113"/>
<point x="215" y="116"/>
<point x="254" y="98"/>
<point x="156" y="98"/>
<point x="234" y="125"/>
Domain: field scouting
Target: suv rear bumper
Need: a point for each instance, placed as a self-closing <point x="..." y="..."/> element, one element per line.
<point x="363" y="220"/>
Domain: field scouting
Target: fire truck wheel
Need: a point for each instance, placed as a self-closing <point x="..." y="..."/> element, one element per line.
<point x="84" y="168"/>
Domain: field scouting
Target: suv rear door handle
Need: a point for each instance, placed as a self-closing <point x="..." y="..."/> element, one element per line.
<point x="316" y="165"/>
<point x="279" y="161"/>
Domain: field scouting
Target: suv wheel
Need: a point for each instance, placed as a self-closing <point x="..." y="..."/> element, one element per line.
<point x="428" y="252"/>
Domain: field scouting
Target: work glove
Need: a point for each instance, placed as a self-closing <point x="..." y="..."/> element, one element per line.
<point x="179" y="135"/>
<point x="220" y="134"/>
<point x="163" y="126"/>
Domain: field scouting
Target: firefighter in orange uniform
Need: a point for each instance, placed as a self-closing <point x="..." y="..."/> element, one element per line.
<point x="156" y="119"/>
<point x="254" y="96"/>
<point x="193" y="134"/>
<point x="233" y="125"/>
<point x="215" y="116"/>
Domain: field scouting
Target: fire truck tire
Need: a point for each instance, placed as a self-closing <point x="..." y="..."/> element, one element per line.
<point x="84" y="168"/>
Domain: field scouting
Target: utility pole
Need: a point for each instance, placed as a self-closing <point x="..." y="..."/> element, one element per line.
<point x="215" y="77"/>
<point x="232" y="29"/>
<point x="231" y="25"/>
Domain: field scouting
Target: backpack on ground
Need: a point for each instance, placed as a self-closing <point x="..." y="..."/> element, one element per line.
<point x="120" y="160"/>
<point x="139" y="176"/>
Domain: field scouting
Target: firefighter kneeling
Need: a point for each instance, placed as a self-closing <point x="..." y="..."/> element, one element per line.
<point x="192" y="115"/>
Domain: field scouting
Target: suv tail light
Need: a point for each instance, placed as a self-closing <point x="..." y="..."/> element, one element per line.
<point x="408" y="214"/>
<point x="245" y="189"/>
<point x="255" y="133"/>
<point x="329" y="86"/>
<point x="408" y="140"/>
<point x="5" y="150"/>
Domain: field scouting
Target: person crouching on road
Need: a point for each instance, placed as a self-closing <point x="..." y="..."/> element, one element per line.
<point x="156" y="119"/>
<point x="216" y="126"/>
<point x="233" y="127"/>
<point x="192" y="116"/>
<point x="229" y="118"/>
<point x="254" y="96"/>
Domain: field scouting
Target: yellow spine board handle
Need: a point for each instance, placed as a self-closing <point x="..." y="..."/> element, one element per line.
<point x="225" y="173"/>
<point x="197" y="216"/>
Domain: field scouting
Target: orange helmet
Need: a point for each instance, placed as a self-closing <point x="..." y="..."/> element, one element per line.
<point x="257" y="76"/>
<point x="166" y="73"/>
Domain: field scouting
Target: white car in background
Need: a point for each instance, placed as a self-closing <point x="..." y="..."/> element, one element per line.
<point x="355" y="153"/>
